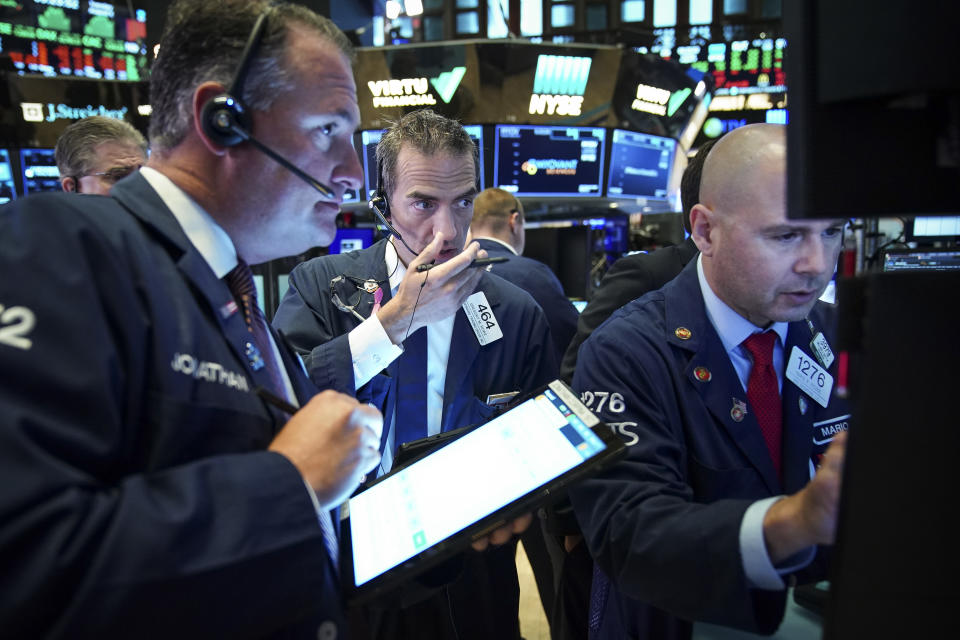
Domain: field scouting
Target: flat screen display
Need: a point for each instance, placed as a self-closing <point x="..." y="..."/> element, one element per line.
<point x="352" y="239"/>
<point x="639" y="165"/>
<point x="371" y="138"/>
<point x="934" y="227"/>
<point x="919" y="260"/>
<point x="40" y="171"/>
<point x="7" y="190"/>
<point x="88" y="38"/>
<point x="548" y="160"/>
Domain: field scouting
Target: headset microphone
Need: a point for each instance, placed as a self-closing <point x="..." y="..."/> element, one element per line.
<point x="226" y="121"/>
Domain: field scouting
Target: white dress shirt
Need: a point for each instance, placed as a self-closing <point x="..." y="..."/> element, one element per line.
<point x="372" y="351"/>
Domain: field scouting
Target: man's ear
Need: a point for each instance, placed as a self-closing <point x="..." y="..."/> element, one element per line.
<point x="514" y="221"/>
<point x="702" y="224"/>
<point x="203" y="94"/>
<point x="68" y="184"/>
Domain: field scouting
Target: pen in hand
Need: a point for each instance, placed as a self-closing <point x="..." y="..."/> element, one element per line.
<point x="276" y="401"/>
<point x="479" y="262"/>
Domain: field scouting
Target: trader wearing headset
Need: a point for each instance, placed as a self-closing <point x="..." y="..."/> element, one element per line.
<point x="148" y="486"/>
<point x="351" y="317"/>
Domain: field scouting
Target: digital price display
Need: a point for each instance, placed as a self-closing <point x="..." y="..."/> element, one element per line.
<point x="40" y="171"/>
<point x="639" y="165"/>
<point x="75" y="38"/>
<point x="7" y="190"/>
<point x="548" y="160"/>
<point x="739" y="66"/>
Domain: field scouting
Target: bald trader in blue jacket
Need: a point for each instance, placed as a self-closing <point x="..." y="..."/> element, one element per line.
<point x="700" y="522"/>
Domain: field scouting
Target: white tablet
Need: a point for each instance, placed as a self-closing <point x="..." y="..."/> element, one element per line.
<point x="433" y="507"/>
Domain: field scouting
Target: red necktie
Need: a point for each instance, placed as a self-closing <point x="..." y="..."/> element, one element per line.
<point x="240" y="281"/>
<point x="763" y="392"/>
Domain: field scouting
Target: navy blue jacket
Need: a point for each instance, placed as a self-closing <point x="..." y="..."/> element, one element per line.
<point x="664" y="523"/>
<point x="520" y="361"/>
<point x="539" y="281"/>
<point x="136" y="496"/>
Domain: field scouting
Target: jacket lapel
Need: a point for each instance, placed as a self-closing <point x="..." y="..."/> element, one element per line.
<point x="797" y="433"/>
<point x="464" y="348"/>
<point x="139" y="198"/>
<point x="711" y="373"/>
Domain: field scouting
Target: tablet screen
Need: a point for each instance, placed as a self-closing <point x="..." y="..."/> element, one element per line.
<point x="474" y="476"/>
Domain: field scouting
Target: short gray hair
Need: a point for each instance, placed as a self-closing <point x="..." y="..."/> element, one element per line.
<point x="426" y="132"/>
<point x="76" y="147"/>
<point x="203" y="41"/>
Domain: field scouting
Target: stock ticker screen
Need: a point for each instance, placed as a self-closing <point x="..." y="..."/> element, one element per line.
<point x="639" y="165"/>
<point x="82" y="38"/>
<point x="40" y="172"/>
<point x="548" y="161"/>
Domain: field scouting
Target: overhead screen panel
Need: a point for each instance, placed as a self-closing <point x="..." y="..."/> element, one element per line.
<point x="7" y="190"/>
<point x="549" y="161"/>
<point x="39" y="170"/>
<point x="90" y="39"/>
<point x="370" y="139"/>
<point x="639" y="165"/>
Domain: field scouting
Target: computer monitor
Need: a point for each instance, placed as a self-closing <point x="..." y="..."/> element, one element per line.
<point x="889" y="125"/>
<point x="546" y="161"/>
<point x="921" y="259"/>
<point x="371" y="138"/>
<point x="639" y="165"/>
<point x="351" y="239"/>
<point x="928" y="229"/>
<point x="7" y="190"/>
<point x="39" y="169"/>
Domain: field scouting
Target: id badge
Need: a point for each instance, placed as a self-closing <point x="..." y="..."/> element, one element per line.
<point x="480" y="315"/>
<point x="821" y="350"/>
<point x="813" y="380"/>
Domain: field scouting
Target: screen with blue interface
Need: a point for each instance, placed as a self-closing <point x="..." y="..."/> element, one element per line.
<point x="639" y="165"/>
<point x="472" y="477"/>
<point x="40" y="171"/>
<point x="7" y="190"/>
<point x="548" y="160"/>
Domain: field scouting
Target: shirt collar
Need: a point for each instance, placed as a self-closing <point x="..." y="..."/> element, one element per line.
<point x="732" y="327"/>
<point x="204" y="233"/>
<point x="499" y="241"/>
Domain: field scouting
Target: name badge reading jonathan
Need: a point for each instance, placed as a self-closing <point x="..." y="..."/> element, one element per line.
<point x="812" y="379"/>
<point x="481" y="318"/>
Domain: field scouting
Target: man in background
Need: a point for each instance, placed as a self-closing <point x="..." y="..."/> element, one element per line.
<point x="95" y="153"/>
<point x="370" y="322"/>
<point x="498" y="227"/>
<point x="731" y="483"/>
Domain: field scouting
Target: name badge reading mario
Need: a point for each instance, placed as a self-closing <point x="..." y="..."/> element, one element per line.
<point x="812" y="379"/>
<point x="481" y="318"/>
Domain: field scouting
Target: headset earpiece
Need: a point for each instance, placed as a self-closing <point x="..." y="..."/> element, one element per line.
<point x="222" y="115"/>
<point x="219" y="117"/>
